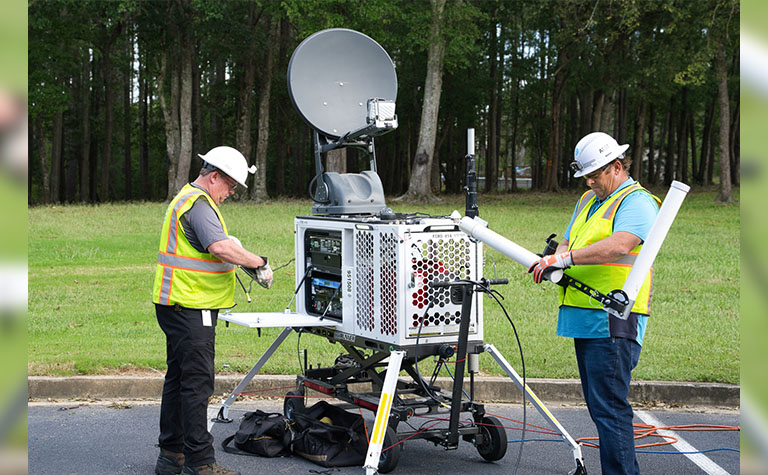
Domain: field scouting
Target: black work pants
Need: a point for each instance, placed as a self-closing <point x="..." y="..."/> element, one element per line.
<point x="188" y="382"/>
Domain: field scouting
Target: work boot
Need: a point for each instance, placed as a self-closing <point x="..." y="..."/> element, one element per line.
<point x="169" y="463"/>
<point x="210" y="469"/>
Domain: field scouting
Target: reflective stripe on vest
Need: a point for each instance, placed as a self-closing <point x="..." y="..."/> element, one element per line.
<point x="193" y="263"/>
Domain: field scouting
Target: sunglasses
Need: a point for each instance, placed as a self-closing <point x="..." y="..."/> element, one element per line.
<point x="598" y="172"/>
<point x="232" y="184"/>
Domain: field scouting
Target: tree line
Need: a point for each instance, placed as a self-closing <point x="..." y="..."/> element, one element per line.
<point x="124" y="94"/>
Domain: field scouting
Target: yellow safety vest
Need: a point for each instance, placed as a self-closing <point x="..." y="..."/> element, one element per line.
<point x="184" y="275"/>
<point x="609" y="276"/>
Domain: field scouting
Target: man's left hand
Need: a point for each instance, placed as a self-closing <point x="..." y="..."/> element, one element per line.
<point x="547" y="264"/>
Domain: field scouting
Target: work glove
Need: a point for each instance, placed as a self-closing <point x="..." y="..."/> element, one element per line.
<point x="262" y="275"/>
<point x="547" y="264"/>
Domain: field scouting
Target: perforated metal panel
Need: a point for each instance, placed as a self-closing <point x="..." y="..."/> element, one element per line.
<point x="441" y="258"/>
<point x="388" y="283"/>
<point x="364" y="296"/>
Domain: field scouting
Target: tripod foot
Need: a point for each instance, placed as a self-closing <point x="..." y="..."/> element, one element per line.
<point x="580" y="468"/>
<point x="220" y="418"/>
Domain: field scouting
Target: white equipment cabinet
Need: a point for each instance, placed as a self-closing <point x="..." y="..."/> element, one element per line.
<point x="374" y="274"/>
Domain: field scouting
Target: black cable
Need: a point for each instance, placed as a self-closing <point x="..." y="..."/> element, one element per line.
<point x="278" y="268"/>
<point x="418" y="336"/>
<point x="330" y="302"/>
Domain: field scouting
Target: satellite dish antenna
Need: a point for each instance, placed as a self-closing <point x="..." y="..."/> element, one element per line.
<point x="343" y="84"/>
<point x="332" y="75"/>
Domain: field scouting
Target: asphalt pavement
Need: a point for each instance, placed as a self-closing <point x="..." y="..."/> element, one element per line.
<point x="89" y="437"/>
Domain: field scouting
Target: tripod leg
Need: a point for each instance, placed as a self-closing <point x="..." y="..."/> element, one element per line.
<point x="382" y="414"/>
<point x="221" y="414"/>
<point x="529" y="395"/>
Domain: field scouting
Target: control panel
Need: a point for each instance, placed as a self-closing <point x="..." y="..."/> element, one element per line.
<point x="323" y="259"/>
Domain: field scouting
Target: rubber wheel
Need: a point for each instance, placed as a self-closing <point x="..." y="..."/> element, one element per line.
<point x="389" y="458"/>
<point x="494" y="442"/>
<point x="294" y="400"/>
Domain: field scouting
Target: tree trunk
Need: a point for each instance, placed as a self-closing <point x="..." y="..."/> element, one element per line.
<point x="171" y="118"/>
<point x="185" y="114"/>
<point x="283" y="148"/>
<point x="637" y="142"/>
<point x="713" y="137"/>
<point x="216" y="111"/>
<point x="726" y="194"/>
<point x="245" y="96"/>
<point x="597" y="111"/>
<point x="85" y="137"/>
<point x="419" y="186"/>
<point x="669" y="159"/>
<point x="709" y="121"/>
<point x="692" y="138"/>
<point x="42" y="153"/>
<point x="492" y="158"/>
<point x="681" y="166"/>
<point x="197" y="118"/>
<point x="143" y="129"/>
<point x="651" y="146"/>
<point x="56" y="168"/>
<point x="108" y="117"/>
<point x="259" y="191"/>
<point x="586" y="106"/>
<point x="127" y="86"/>
<point x="336" y="160"/>
<point x="500" y="88"/>
<point x="553" y="159"/>
<point x="734" y="149"/>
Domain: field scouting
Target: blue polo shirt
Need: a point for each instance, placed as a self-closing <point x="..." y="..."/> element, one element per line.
<point x="635" y="215"/>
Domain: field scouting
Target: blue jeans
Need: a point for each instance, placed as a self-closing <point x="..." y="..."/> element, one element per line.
<point x="605" y="367"/>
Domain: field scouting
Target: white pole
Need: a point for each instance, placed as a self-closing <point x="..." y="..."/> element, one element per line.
<point x="471" y="142"/>
<point x="657" y="234"/>
<point x="478" y="229"/>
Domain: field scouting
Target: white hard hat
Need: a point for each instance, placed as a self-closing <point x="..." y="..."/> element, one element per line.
<point x="229" y="161"/>
<point x="593" y="151"/>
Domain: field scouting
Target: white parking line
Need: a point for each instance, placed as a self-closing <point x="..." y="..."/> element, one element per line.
<point x="704" y="462"/>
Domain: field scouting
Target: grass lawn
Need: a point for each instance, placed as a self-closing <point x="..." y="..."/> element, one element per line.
<point x="91" y="270"/>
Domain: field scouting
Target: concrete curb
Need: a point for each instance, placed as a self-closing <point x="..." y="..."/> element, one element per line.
<point x="487" y="389"/>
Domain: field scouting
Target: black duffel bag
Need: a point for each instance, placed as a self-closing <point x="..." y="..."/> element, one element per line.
<point x="329" y="436"/>
<point x="261" y="433"/>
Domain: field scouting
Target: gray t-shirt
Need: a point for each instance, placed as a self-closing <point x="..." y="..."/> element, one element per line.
<point x="202" y="226"/>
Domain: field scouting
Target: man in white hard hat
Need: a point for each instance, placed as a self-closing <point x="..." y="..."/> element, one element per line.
<point x="194" y="278"/>
<point x="607" y="230"/>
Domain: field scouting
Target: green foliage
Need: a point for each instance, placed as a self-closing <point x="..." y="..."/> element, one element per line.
<point x="91" y="270"/>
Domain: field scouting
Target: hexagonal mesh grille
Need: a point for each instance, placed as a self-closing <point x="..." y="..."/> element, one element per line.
<point x="388" y="283"/>
<point x="441" y="260"/>
<point x="364" y="307"/>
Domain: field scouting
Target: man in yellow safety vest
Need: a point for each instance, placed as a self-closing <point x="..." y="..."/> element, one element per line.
<point x="606" y="232"/>
<point x="194" y="278"/>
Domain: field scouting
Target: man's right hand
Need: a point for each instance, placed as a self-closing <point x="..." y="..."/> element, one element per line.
<point x="262" y="275"/>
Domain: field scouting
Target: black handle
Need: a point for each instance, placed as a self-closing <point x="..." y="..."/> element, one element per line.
<point x="498" y="281"/>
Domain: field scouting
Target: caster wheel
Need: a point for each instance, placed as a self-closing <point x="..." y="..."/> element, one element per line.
<point x="390" y="454"/>
<point x="294" y="400"/>
<point x="494" y="439"/>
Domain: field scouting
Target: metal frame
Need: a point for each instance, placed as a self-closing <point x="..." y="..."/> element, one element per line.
<point x="385" y="399"/>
